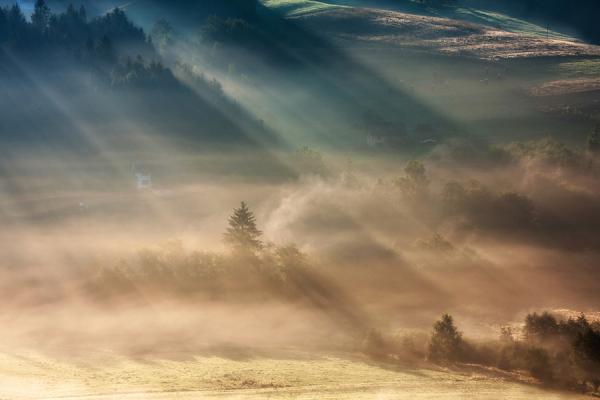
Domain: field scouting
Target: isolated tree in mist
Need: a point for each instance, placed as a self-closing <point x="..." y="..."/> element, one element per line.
<point x="446" y="341"/>
<point x="41" y="15"/>
<point x="242" y="233"/>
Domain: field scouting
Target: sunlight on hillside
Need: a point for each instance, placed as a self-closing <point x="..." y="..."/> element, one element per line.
<point x="292" y="199"/>
<point x="510" y="24"/>
<point x="294" y="8"/>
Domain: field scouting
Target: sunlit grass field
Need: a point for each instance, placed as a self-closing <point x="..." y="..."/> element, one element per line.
<point x="508" y="23"/>
<point x="291" y="377"/>
<point x="295" y="8"/>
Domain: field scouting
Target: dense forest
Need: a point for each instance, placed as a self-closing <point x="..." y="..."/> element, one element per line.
<point x="70" y="30"/>
<point x="48" y="57"/>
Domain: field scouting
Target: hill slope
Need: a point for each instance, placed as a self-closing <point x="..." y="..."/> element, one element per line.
<point x="467" y="34"/>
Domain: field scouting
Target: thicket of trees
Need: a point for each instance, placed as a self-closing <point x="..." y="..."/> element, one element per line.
<point x="251" y="268"/>
<point x="559" y="353"/>
<point x="104" y="37"/>
<point x="116" y="51"/>
<point x="562" y="353"/>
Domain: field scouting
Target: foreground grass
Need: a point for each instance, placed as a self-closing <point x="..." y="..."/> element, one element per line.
<point x="32" y="376"/>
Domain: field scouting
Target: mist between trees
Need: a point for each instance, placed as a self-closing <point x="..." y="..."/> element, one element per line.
<point x="561" y="353"/>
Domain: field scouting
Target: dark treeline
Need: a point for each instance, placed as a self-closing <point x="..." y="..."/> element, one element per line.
<point x="561" y="353"/>
<point x="103" y="37"/>
<point x="111" y="47"/>
<point x="89" y="61"/>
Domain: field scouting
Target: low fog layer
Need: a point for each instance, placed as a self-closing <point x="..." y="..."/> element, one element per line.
<point x="375" y="250"/>
<point x="241" y="181"/>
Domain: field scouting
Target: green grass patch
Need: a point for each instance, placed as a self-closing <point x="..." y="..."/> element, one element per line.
<point x="507" y="23"/>
<point x="294" y="8"/>
<point x="580" y="68"/>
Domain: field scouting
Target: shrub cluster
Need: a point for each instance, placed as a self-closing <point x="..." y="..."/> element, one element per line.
<point x="560" y="353"/>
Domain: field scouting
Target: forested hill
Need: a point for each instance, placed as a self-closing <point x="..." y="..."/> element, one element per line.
<point x="146" y="12"/>
<point x="104" y="38"/>
<point x="70" y="72"/>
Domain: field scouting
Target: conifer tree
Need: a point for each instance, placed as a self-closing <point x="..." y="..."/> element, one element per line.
<point x="242" y="233"/>
<point x="41" y="15"/>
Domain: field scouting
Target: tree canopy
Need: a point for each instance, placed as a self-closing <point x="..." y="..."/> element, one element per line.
<point x="70" y="31"/>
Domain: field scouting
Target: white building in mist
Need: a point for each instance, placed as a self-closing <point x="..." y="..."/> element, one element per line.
<point x="143" y="181"/>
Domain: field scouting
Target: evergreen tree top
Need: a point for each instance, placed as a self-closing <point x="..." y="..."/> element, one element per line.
<point x="242" y="232"/>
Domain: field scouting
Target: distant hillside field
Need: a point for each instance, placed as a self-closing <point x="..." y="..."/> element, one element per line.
<point x="481" y="34"/>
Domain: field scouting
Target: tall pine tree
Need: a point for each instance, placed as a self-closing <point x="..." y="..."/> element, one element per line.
<point x="41" y="15"/>
<point x="242" y="233"/>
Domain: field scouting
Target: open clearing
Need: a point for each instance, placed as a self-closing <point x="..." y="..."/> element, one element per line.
<point x="495" y="36"/>
<point x="31" y="376"/>
<point x="567" y="86"/>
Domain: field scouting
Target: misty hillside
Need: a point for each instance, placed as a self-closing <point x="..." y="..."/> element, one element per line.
<point x="248" y="199"/>
<point x="70" y="78"/>
<point x="317" y="50"/>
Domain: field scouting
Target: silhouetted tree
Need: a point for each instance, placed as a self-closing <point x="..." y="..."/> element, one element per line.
<point x="3" y="25"/>
<point x="242" y="233"/>
<point x="41" y="15"/>
<point x="17" y="28"/>
<point x="118" y="28"/>
<point x="69" y="30"/>
<point x="446" y="341"/>
<point x="82" y="13"/>
<point x="540" y="327"/>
